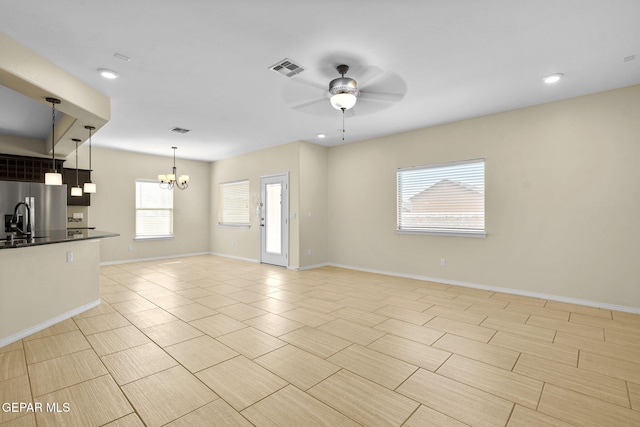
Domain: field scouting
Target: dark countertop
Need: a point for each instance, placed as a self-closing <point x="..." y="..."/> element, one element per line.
<point x="57" y="236"/>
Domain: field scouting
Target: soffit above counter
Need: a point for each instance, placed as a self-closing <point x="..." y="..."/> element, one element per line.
<point x="27" y="73"/>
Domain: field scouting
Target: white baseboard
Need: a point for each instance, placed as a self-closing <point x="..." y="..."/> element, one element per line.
<point x="235" y="257"/>
<point x="310" y="267"/>
<point x="40" y="326"/>
<point x="127" y="261"/>
<point x="557" y="298"/>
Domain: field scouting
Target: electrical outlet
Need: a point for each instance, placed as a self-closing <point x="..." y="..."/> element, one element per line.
<point x="69" y="256"/>
<point x="443" y="262"/>
<point x="130" y="248"/>
<point x="308" y="252"/>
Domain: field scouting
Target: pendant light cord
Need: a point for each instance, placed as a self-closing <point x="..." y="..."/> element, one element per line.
<point x="90" y="150"/>
<point x="53" y="129"/>
<point x="77" y="184"/>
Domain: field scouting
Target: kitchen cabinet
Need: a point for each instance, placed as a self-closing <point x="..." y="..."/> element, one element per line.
<point x="69" y="178"/>
<point x="26" y="169"/>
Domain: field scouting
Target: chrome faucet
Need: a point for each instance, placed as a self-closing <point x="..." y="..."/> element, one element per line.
<point x="14" y="220"/>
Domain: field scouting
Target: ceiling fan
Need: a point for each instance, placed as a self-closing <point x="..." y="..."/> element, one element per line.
<point x="377" y="90"/>
<point x="373" y="91"/>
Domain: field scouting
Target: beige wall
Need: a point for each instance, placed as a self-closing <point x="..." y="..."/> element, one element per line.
<point x="314" y="209"/>
<point x="113" y="206"/>
<point x="562" y="199"/>
<point x="245" y="242"/>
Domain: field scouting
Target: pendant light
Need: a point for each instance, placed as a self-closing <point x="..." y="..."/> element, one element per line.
<point x="76" y="191"/>
<point x="168" y="181"/>
<point x="90" y="187"/>
<point x="53" y="177"/>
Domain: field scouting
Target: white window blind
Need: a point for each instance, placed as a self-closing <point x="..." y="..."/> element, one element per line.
<point x="233" y="203"/>
<point x="154" y="210"/>
<point x="442" y="198"/>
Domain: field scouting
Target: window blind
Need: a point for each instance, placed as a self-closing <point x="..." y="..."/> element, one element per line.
<point x="442" y="197"/>
<point x="154" y="210"/>
<point x="233" y="203"/>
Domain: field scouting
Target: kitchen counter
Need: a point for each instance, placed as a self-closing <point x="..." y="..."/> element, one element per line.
<point x="57" y="236"/>
<point x="48" y="280"/>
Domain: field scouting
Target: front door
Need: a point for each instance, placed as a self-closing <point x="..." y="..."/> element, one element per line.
<point x="274" y="219"/>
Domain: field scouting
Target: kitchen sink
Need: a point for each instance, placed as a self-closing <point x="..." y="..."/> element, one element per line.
<point x="15" y="242"/>
<point x="20" y="241"/>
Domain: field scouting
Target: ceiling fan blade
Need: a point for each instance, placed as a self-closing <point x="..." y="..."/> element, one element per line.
<point x="380" y="96"/>
<point x="310" y="102"/>
<point x="369" y="75"/>
<point x="298" y="80"/>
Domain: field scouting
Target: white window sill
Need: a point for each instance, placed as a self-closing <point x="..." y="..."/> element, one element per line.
<point x="450" y="233"/>
<point x="234" y="226"/>
<point x="145" y="238"/>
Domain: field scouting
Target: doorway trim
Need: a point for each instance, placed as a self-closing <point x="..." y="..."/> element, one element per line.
<point x="266" y="257"/>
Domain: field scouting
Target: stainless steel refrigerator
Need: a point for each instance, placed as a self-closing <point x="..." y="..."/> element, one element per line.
<point x="48" y="205"/>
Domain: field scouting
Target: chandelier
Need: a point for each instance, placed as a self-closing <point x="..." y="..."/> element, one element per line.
<point x="169" y="181"/>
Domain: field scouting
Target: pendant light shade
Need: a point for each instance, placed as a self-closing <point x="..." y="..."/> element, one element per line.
<point x="53" y="177"/>
<point x="90" y="187"/>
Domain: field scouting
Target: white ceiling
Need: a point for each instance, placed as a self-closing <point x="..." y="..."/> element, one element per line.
<point x="203" y="64"/>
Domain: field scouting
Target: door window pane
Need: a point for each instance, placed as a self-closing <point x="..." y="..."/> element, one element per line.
<point x="273" y="218"/>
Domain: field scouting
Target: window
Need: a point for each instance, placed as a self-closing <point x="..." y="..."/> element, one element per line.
<point x="233" y="204"/>
<point x="154" y="210"/>
<point x="446" y="198"/>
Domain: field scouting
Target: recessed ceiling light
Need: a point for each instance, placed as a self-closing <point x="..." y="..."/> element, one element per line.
<point x="321" y="135"/>
<point x="108" y="74"/>
<point x="553" y="78"/>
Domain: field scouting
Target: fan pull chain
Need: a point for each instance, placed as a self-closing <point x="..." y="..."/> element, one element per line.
<point x="342" y="123"/>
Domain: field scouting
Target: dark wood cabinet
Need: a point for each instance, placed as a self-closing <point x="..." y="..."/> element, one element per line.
<point x="69" y="178"/>
<point x="26" y="169"/>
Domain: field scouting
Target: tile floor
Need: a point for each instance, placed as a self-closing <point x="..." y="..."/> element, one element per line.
<point x="209" y="341"/>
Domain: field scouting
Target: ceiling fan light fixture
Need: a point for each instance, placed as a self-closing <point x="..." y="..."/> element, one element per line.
<point x="344" y="93"/>
<point x="343" y="101"/>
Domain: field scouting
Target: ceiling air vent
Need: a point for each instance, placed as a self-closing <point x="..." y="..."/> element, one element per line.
<point x="287" y="68"/>
<point x="179" y="130"/>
